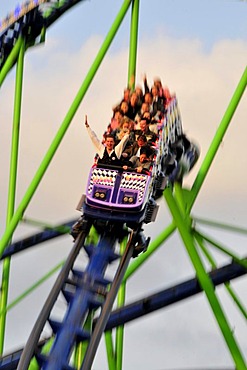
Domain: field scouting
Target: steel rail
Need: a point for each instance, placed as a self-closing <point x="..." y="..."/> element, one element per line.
<point x="150" y="304"/>
<point x="34" y="337"/>
<point x="106" y="310"/>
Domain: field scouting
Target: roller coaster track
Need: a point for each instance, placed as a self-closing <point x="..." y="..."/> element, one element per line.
<point x="85" y="292"/>
<point x="44" y="315"/>
<point x="131" y="311"/>
<point x="30" y="19"/>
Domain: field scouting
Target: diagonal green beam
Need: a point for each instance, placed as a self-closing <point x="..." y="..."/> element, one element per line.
<point x="222" y="249"/>
<point x="131" y="83"/>
<point x="205" y="250"/>
<point x="228" y="286"/>
<point x="63" y="128"/>
<point x="10" y="60"/>
<point x="220" y="225"/>
<point x="34" y="286"/>
<point x="15" y="133"/>
<point x="218" y="137"/>
<point x="204" y="280"/>
<point x="81" y="347"/>
<point x="45" y="226"/>
<point x="115" y="353"/>
<point x="120" y="329"/>
<point x="12" y="186"/>
<point x="133" y="44"/>
<point x="110" y="350"/>
<point x="236" y="299"/>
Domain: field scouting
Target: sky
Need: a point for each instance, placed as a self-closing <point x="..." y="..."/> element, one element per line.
<point x="199" y="50"/>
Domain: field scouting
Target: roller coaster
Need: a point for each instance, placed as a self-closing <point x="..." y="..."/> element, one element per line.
<point x="115" y="208"/>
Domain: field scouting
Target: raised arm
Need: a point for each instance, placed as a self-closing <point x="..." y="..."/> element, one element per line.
<point x="96" y="142"/>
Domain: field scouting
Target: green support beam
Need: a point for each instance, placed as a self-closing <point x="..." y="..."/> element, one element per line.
<point x="213" y="264"/>
<point x="12" y="185"/>
<point x="133" y="44"/>
<point x="120" y="329"/>
<point x="110" y="351"/>
<point x="218" y="137"/>
<point x="131" y="84"/>
<point x="204" y="280"/>
<point x="225" y="250"/>
<point x="10" y="60"/>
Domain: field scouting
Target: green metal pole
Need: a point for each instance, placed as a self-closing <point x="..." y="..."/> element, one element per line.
<point x="63" y="128"/>
<point x="120" y="329"/>
<point x="34" y="365"/>
<point x="15" y="133"/>
<point x="218" y="137"/>
<point x="110" y="350"/>
<point x="61" y="229"/>
<point x="236" y="299"/>
<point x="205" y="251"/>
<point x="12" y="188"/>
<point x="182" y="197"/>
<point x="34" y="286"/>
<point x="3" y="301"/>
<point x="225" y="250"/>
<point x="211" y="260"/>
<point x="220" y="225"/>
<point x="10" y="60"/>
<point x="133" y="44"/>
<point x="81" y="348"/>
<point x="204" y="280"/>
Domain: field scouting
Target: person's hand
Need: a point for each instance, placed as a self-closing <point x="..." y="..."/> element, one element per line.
<point x="125" y="167"/>
<point x="86" y="122"/>
<point x="139" y="169"/>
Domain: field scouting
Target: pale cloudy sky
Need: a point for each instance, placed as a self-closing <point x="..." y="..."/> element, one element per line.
<point x="199" y="50"/>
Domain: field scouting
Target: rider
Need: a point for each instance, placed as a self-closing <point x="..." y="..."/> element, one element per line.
<point x="141" y="164"/>
<point x="108" y="153"/>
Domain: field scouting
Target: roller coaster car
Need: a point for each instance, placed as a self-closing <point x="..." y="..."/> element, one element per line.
<point x="117" y="195"/>
<point x="117" y="198"/>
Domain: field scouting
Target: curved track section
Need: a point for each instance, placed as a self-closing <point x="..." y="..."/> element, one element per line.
<point x="85" y="292"/>
<point x="31" y="345"/>
<point x="30" y="20"/>
<point x="147" y="305"/>
<point x="106" y="310"/>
